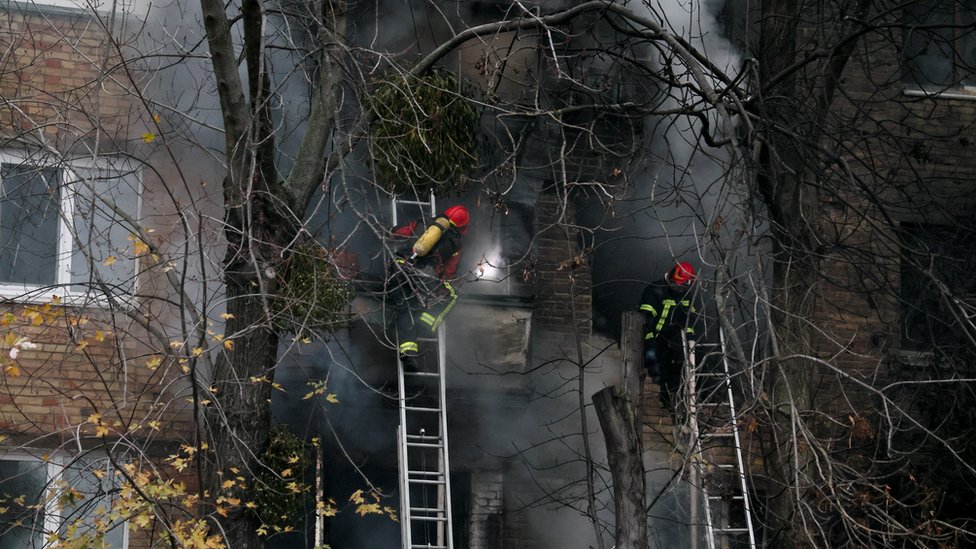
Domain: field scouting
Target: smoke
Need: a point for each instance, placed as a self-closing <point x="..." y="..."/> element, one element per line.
<point x="673" y="190"/>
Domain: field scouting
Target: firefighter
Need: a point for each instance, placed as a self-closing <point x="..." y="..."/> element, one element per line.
<point x="667" y="309"/>
<point x="420" y="282"/>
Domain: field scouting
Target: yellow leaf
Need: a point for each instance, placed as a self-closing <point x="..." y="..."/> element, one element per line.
<point x="227" y="484"/>
<point x="138" y="246"/>
<point x="286" y="473"/>
<point x="226" y="316"/>
<point x="197" y="351"/>
<point x="154" y="362"/>
<point x="368" y="509"/>
<point x="357" y="497"/>
<point x="229" y="344"/>
<point x="81" y="346"/>
<point x="149" y="137"/>
<point x="56" y="299"/>
<point x="221" y="511"/>
<point x="99" y="336"/>
<point x="154" y="425"/>
<point x="95" y="418"/>
<point x="109" y="260"/>
<point x="101" y="431"/>
<point x="157" y="118"/>
<point x="12" y="370"/>
<point x="331" y="397"/>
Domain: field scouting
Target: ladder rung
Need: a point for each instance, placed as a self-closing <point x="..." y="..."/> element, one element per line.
<point x="423" y="437"/>
<point x="731" y="530"/>
<point x="422" y="374"/>
<point x="428" y="519"/>
<point x="424" y="481"/>
<point x="424" y="472"/>
<point x="716" y="435"/>
<point x="414" y="202"/>
<point x="423" y="445"/>
<point x="413" y="546"/>
<point x="726" y="497"/>
<point x="427" y="339"/>
<point x="421" y="409"/>
<point x="712" y="403"/>
<point x="709" y="374"/>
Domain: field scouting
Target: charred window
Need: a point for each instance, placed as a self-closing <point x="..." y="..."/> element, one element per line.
<point x="939" y="43"/>
<point x="937" y="288"/>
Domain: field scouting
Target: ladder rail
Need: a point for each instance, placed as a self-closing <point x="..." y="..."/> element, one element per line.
<point x="737" y="441"/>
<point x="396" y="201"/>
<point x="699" y="461"/>
<point x="699" y="466"/>
<point x="446" y="466"/>
<point x="421" y="475"/>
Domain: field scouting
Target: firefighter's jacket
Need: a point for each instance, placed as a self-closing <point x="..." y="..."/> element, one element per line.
<point x="667" y="310"/>
<point x="421" y="306"/>
<point x="443" y="258"/>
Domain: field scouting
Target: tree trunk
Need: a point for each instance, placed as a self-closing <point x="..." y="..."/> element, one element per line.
<point x="239" y="419"/>
<point x="619" y="411"/>
<point x="621" y="430"/>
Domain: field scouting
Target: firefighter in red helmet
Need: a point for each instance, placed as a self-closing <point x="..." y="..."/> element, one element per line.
<point x="667" y="307"/>
<point x="420" y="279"/>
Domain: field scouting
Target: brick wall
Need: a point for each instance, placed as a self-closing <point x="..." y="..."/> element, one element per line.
<point x="563" y="283"/>
<point x="53" y="78"/>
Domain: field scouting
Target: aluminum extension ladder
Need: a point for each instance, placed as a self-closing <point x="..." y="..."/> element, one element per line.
<point x="422" y="446"/>
<point x="724" y="485"/>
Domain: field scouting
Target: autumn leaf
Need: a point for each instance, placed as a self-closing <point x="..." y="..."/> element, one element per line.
<point x="369" y="509"/>
<point x="99" y="336"/>
<point x="331" y="397"/>
<point x="138" y="246"/>
<point x="13" y="370"/>
<point x="227" y="484"/>
<point x="229" y="344"/>
<point x="109" y="261"/>
<point x="226" y="316"/>
<point x="149" y="137"/>
<point x="154" y="362"/>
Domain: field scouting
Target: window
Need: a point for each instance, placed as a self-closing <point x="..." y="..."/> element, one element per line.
<point x="936" y="267"/>
<point x="939" y="44"/>
<point x="43" y="248"/>
<point x="35" y="501"/>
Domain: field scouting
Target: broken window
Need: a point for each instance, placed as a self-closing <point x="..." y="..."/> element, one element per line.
<point x="936" y="285"/>
<point x="939" y="43"/>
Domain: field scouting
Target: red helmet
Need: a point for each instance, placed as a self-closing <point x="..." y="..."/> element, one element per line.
<point x="458" y="215"/>
<point x="683" y="274"/>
